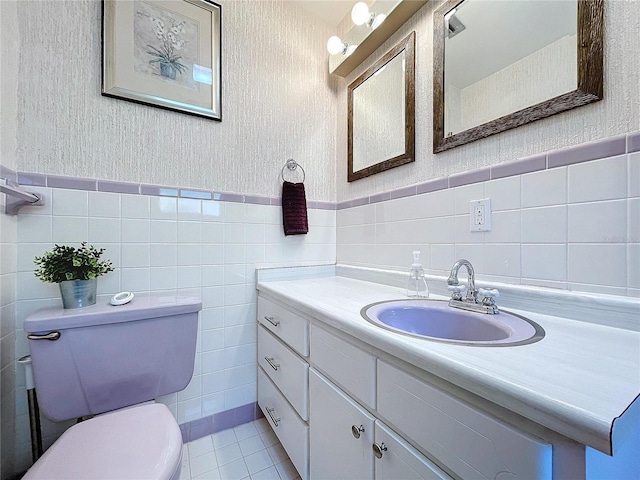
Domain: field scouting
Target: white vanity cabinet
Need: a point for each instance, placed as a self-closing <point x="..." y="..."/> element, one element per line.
<point x="342" y="411"/>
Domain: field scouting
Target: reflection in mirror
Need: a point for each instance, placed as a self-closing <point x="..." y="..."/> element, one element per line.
<point x="379" y="107"/>
<point x="499" y="65"/>
<point x="381" y="114"/>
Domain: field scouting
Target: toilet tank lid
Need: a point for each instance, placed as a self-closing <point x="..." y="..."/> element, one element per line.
<point x="102" y="313"/>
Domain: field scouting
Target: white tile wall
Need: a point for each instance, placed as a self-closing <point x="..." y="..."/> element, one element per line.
<point x="575" y="227"/>
<point x="8" y="268"/>
<point x="167" y="244"/>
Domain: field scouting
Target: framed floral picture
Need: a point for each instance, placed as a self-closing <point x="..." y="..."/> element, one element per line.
<point x="164" y="53"/>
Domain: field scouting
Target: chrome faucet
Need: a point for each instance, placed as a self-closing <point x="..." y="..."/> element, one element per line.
<point x="470" y="302"/>
<point x="472" y="293"/>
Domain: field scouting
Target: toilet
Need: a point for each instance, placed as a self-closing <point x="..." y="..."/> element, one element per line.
<point x="111" y="362"/>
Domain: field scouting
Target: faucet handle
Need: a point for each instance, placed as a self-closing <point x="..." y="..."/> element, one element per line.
<point x="488" y="292"/>
<point x="457" y="291"/>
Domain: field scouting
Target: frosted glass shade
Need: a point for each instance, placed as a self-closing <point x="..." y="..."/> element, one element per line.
<point x="335" y="45"/>
<point x="360" y="13"/>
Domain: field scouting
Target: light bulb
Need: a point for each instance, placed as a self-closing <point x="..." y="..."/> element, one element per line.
<point x="335" y="45"/>
<point x="378" y="20"/>
<point x="360" y="13"/>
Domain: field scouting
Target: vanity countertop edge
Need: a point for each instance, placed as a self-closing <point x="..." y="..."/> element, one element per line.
<point x="577" y="381"/>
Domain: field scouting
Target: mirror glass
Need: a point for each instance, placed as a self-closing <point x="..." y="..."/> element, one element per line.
<point x="381" y="113"/>
<point x="501" y="64"/>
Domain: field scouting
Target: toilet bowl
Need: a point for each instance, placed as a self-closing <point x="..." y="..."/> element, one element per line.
<point x="131" y="444"/>
<point x="112" y="362"/>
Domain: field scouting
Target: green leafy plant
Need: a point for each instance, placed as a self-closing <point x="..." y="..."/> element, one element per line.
<point x="70" y="263"/>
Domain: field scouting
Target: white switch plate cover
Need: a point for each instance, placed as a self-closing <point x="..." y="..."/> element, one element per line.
<point x="480" y="215"/>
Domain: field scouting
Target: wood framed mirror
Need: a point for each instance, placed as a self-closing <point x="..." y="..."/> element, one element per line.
<point x="499" y="65"/>
<point x="381" y="113"/>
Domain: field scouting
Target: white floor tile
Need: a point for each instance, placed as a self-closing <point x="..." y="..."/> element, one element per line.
<point x="245" y="430"/>
<point x="262" y="425"/>
<point x="251" y="445"/>
<point x="202" y="464"/>
<point x="200" y="446"/>
<point x="228" y="454"/>
<point x="185" y="474"/>
<point x="258" y="461"/>
<point x="267" y="474"/>
<point x="234" y="471"/>
<point x="277" y="453"/>
<point x="286" y="470"/>
<point x="268" y="437"/>
<point x="210" y="475"/>
<point x="247" y="452"/>
<point x="225" y="437"/>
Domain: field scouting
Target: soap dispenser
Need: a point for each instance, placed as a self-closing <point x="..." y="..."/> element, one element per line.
<point x="417" y="285"/>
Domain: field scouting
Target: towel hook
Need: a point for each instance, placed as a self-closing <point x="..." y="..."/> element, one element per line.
<point x="292" y="165"/>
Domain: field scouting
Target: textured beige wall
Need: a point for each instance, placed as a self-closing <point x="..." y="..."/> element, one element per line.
<point x="278" y="102"/>
<point x="617" y="113"/>
<point x="8" y="235"/>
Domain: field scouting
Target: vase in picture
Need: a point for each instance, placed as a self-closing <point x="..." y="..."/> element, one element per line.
<point x="167" y="70"/>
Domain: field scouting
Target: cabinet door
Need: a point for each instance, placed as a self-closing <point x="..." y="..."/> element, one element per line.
<point x="400" y="460"/>
<point x="334" y="422"/>
<point x="469" y="442"/>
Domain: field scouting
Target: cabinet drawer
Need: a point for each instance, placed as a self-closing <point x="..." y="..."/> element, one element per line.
<point x="468" y="442"/>
<point x="401" y="460"/>
<point x="288" y="371"/>
<point x="292" y="432"/>
<point x="348" y="366"/>
<point x="293" y="330"/>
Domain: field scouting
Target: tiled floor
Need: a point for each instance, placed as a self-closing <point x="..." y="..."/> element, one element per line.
<point x="249" y="451"/>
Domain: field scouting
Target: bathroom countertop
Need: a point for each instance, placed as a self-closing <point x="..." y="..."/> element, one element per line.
<point x="577" y="381"/>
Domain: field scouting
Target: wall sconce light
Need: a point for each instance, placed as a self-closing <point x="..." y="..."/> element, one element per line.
<point x="361" y="15"/>
<point x="336" y="46"/>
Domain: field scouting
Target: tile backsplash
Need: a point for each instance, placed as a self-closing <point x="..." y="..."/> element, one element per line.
<point x="572" y="227"/>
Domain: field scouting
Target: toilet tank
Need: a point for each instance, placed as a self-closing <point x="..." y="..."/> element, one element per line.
<point x="107" y="357"/>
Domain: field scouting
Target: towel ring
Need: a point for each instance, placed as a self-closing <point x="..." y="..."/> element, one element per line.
<point x="292" y="165"/>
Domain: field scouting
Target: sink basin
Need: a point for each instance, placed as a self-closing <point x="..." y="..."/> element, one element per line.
<point x="436" y="320"/>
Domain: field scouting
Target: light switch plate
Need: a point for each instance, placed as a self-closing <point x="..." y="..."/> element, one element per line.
<point x="480" y="215"/>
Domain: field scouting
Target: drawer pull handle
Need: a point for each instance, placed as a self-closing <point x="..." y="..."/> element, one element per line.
<point x="378" y="449"/>
<point x="356" y="431"/>
<point x="273" y="322"/>
<point x="273" y="418"/>
<point x="273" y="364"/>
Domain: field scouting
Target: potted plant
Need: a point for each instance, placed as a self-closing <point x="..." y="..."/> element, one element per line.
<point x="75" y="270"/>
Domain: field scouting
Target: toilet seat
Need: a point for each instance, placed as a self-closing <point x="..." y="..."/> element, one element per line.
<point x="136" y="443"/>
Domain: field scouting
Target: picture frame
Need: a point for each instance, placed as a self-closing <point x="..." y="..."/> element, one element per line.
<point x="164" y="53"/>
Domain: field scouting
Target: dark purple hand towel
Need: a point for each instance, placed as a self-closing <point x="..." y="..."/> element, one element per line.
<point x="294" y="209"/>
